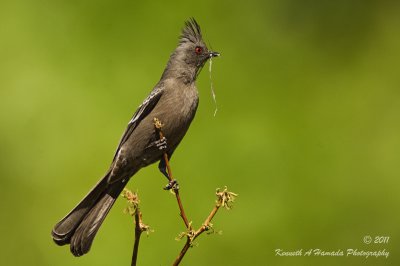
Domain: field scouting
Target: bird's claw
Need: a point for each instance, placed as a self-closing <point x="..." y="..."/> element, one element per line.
<point x="173" y="184"/>
<point x="161" y="144"/>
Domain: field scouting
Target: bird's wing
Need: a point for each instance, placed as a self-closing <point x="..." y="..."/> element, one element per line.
<point x="144" y="109"/>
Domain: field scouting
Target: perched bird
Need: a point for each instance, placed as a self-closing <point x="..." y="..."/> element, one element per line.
<point x="173" y="101"/>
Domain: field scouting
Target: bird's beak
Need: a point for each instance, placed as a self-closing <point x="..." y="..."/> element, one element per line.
<point x="214" y="54"/>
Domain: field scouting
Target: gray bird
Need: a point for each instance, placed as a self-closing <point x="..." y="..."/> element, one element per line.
<point x="174" y="102"/>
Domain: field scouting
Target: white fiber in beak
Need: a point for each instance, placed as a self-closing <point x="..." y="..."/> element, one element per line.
<point x="212" y="89"/>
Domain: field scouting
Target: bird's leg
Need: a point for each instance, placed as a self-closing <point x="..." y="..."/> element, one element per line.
<point x="164" y="162"/>
<point x="161" y="144"/>
<point x="173" y="184"/>
<point x="163" y="168"/>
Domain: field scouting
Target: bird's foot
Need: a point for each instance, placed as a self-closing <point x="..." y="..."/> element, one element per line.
<point x="161" y="144"/>
<point x="173" y="184"/>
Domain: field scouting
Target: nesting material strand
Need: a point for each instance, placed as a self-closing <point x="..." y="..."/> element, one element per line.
<point x="212" y="89"/>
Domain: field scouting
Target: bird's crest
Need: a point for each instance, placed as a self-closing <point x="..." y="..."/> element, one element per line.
<point x="191" y="32"/>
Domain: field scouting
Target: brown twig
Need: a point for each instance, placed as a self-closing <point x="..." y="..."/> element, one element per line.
<point x="224" y="199"/>
<point x="138" y="233"/>
<point x="192" y="235"/>
<point x="158" y="125"/>
<point x="140" y="227"/>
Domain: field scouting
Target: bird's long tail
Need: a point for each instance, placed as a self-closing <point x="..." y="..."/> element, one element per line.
<point x="80" y="226"/>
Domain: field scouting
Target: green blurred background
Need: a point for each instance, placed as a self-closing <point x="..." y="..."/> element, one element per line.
<point x="307" y="131"/>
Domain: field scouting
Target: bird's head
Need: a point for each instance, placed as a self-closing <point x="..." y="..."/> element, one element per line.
<point x="191" y="45"/>
<point x="192" y="52"/>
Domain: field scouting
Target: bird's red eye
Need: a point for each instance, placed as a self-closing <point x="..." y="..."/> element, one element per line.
<point x="198" y="50"/>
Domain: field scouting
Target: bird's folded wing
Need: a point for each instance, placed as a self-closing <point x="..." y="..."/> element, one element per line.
<point x="144" y="109"/>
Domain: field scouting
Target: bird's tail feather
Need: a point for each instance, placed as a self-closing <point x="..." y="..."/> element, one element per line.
<point x="82" y="239"/>
<point x="80" y="226"/>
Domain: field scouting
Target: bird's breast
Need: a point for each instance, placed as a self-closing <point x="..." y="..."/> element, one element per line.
<point x="177" y="109"/>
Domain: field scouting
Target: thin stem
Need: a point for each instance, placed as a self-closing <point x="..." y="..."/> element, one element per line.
<point x="134" y="210"/>
<point x="193" y="235"/>
<point x="138" y="232"/>
<point x="158" y="125"/>
<point x="182" y="253"/>
<point x="225" y="198"/>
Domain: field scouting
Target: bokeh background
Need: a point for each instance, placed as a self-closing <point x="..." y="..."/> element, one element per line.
<point x="307" y="132"/>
